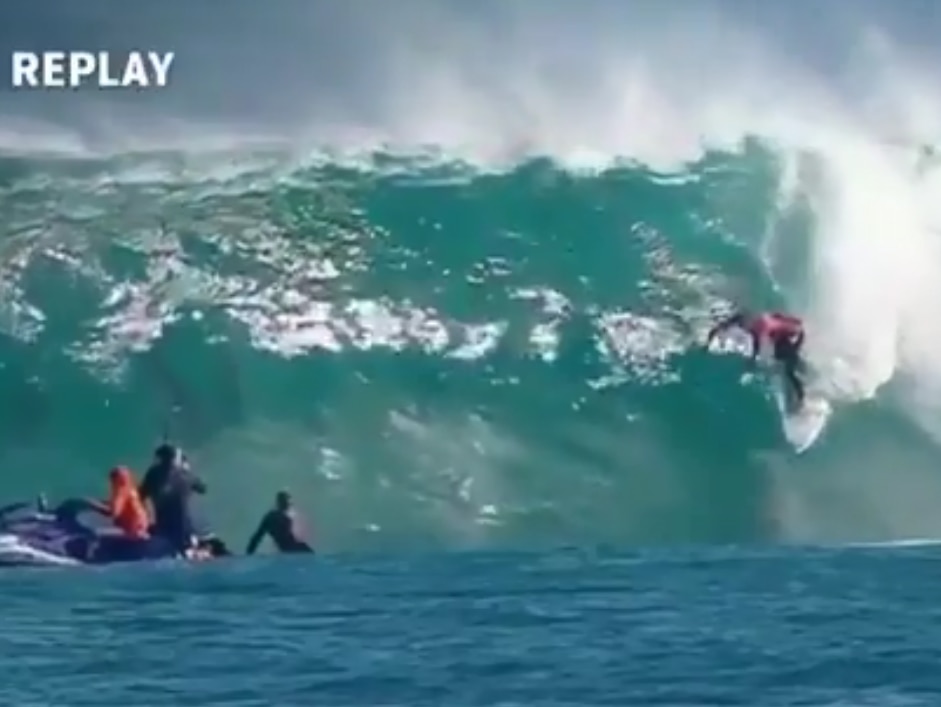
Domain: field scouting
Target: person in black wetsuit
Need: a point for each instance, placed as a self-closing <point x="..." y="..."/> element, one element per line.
<point x="169" y="486"/>
<point x="280" y="524"/>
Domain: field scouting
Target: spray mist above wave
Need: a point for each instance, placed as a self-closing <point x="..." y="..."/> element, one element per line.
<point x="492" y="83"/>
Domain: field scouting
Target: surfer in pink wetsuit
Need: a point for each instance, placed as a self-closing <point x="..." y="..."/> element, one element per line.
<point x="786" y="334"/>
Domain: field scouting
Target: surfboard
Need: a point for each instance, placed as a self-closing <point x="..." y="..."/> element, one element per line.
<point x="802" y="426"/>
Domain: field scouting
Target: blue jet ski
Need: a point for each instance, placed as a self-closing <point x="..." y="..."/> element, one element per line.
<point x="31" y="534"/>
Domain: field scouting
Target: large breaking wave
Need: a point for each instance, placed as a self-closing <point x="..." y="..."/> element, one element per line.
<point x="449" y="279"/>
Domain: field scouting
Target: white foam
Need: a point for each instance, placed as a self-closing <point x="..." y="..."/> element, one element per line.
<point x="13" y="552"/>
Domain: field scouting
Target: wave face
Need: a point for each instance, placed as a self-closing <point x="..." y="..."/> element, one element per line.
<point x="461" y="302"/>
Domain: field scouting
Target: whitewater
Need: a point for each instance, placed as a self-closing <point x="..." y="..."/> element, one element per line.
<point x="450" y="281"/>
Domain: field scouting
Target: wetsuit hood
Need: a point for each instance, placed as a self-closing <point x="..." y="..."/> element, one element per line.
<point x="168" y="455"/>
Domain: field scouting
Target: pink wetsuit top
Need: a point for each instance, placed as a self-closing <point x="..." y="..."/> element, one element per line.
<point x="775" y="324"/>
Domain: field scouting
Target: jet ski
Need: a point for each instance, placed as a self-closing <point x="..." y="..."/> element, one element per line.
<point x="33" y="535"/>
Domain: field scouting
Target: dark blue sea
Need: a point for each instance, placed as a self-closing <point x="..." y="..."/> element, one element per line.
<point x="683" y="628"/>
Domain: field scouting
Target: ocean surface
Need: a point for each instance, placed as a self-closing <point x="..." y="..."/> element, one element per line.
<point x="445" y="273"/>
<point x="679" y="628"/>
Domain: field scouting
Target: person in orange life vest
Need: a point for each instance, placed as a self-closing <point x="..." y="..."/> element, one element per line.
<point x="786" y="334"/>
<point x="124" y="506"/>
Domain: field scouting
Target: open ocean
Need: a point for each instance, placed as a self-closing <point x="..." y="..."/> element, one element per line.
<point x="444" y="271"/>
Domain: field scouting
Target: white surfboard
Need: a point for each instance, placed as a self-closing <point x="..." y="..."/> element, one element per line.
<point x="803" y="426"/>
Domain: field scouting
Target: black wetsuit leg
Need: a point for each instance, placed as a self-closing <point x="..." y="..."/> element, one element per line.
<point x="787" y="352"/>
<point x="173" y="523"/>
<point x="296" y="546"/>
<point x="281" y="532"/>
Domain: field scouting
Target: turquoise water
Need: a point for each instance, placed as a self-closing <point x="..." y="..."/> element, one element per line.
<point x="428" y="356"/>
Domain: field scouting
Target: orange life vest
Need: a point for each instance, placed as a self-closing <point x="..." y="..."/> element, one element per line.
<point x="127" y="510"/>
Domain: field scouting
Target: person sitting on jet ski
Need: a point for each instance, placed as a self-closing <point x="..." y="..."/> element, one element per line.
<point x="124" y="506"/>
<point x="127" y="514"/>
<point x="169" y="485"/>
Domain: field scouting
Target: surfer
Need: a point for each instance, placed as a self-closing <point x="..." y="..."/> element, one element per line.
<point x="281" y="525"/>
<point x="786" y="334"/>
